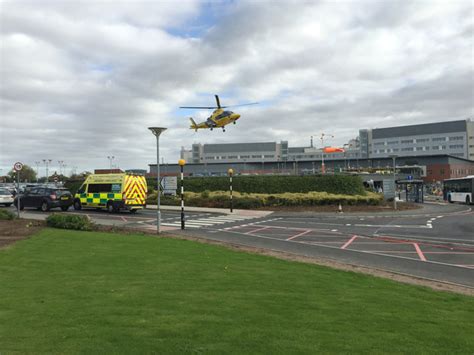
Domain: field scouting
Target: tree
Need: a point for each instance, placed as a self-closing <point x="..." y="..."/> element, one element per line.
<point x="27" y="174"/>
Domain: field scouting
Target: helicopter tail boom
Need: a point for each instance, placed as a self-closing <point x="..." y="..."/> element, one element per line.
<point x="193" y="123"/>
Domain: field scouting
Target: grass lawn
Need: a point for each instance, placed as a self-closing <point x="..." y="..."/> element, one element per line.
<point x="69" y="292"/>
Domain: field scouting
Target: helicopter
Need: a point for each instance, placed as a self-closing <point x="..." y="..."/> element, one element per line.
<point x="218" y="119"/>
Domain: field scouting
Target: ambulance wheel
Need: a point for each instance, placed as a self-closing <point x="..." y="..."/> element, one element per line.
<point x="111" y="208"/>
<point x="133" y="211"/>
<point x="77" y="205"/>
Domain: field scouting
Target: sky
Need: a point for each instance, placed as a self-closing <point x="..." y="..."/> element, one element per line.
<point x="82" y="80"/>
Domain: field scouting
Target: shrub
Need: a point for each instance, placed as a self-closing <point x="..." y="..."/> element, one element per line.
<point x="221" y="199"/>
<point x="6" y="215"/>
<point x="69" y="222"/>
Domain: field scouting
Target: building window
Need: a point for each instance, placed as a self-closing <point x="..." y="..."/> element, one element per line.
<point x="392" y="142"/>
<point x="407" y="141"/>
<point x="270" y="156"/>
<point x="407" y="149"/>
<point x="439" y="139"/>
<point x="379" y="143"/>
<point x="421" y="140"/>
<point x="244" y="156"/>
<point x="456" y="146"/>
<point x="456" y="138"/>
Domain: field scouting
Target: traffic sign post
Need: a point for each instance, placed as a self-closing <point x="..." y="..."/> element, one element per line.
<point x="17" y="167"/>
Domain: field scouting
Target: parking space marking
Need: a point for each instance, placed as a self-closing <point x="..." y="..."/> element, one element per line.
<point x="419" y="252"/>
<point x="300" y="234"/>
<point x="256" y="230"/>
<point x="349" y="242"/>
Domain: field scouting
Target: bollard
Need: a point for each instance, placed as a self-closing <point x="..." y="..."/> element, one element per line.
<point x="181" y="163"/>
<point x="231" y="172"/>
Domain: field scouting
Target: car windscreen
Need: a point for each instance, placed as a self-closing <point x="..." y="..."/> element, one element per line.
<point x="5" y="192"/>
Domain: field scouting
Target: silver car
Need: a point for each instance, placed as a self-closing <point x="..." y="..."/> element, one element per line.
<point x="6" y="197"/>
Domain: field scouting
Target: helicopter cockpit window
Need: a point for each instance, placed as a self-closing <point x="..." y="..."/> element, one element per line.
<point x="227" y="113"/>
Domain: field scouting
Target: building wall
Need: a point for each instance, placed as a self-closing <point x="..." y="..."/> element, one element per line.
<point x="453" y="144"/>
<point x="454" y="138"/>
<point x="470" y="140"/>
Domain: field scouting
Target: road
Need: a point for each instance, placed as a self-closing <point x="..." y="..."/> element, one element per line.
<point x="436" y="242"/>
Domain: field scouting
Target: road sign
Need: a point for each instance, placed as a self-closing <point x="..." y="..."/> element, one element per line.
<point x="18" y="166"/>
<point x="410" y="177"/>
<point x="169" y="185"/>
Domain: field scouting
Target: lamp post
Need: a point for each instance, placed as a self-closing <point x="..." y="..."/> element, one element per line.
<point x="37" y="163"/>
<point x="231" y="172"/>
<point x="181" y="163"/>
<point x="157" y="131"/>
<point x="110" y="157"/>
<point x="394" y="157"/>
<point x="323" y="169"/>
<point x="61" y="165"/>
<point x="345" y="147"/>
<point x="47" y="162"/>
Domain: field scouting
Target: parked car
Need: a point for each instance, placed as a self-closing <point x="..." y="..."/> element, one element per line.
<point x="45" y="198"/>
<point x="6" y="197"/>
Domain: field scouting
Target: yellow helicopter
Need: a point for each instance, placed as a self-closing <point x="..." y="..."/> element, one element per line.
<point x="219" y="118"/>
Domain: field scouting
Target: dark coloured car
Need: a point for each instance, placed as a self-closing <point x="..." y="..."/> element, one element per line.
<point x="45" y="198"/>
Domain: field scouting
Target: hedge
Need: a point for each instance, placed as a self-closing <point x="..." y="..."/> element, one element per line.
<point x="334" y="184"/>
<point x="220" y="199"/>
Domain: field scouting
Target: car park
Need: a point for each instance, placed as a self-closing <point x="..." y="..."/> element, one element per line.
<point x="6" y="197"/>
<point x="45" y="198"/>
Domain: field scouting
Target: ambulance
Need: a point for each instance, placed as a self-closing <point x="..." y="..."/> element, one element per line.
<point x="113" y="192"/>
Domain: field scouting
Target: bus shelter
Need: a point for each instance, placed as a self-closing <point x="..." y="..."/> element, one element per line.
<point x="412" y="189"/>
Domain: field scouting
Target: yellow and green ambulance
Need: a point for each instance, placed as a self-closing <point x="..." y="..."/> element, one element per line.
<point x="113" y="192"/>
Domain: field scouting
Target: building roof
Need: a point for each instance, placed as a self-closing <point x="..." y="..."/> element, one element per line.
<point x="240" y="147"/>
<point x="420" y="129"/>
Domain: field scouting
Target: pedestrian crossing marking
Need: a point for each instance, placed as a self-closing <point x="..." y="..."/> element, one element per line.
<point x="206" y="221"/>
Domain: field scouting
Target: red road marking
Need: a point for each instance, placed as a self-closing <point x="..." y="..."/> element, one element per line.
<point x="419" y="252"/>
<point x="349" y="242"/>
<point x="408" y="241"/>
<point x="256" y="230"/>
<point x="300" y="234"/>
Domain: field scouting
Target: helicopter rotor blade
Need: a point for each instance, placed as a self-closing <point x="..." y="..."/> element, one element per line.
<point x="199" y="107"/>
<point x="251" y="103"/>
<point x="218" y="101"/>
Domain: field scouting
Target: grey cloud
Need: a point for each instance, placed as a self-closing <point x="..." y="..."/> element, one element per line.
<point x="86" y="80"/>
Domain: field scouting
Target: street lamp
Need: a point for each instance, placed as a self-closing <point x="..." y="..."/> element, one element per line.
<point x="157" y="131"/>
<point x="323" y="170"/>
<point x="110" y="157"/>
<point x="37" y="163"/>
<point x="345" y="147"/>
<point x="61" y="165"/>
<point x="47" y="162"/>
<point x="394" y="157"/>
